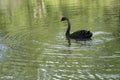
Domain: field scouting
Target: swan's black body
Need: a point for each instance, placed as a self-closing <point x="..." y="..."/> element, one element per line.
<point x="78" y="35"/>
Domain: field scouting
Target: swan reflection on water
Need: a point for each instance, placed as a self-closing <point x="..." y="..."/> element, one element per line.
<point x="80" y="41"/>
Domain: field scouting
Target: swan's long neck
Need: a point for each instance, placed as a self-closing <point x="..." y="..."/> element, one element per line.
<point x="68" y="29"/>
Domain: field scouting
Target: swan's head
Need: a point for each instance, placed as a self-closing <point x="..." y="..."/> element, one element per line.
<point x="64" y="18"/>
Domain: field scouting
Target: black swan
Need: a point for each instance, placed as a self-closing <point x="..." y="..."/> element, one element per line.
<point x="78" y="35"/>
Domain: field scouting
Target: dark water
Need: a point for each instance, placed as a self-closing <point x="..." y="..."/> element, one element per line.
<point x="33" y="45"/>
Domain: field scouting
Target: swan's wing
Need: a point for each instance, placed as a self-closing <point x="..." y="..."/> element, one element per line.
<point x="81" y="34"/>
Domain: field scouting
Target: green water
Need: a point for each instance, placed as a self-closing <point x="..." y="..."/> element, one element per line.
<point x="33" y="44"/>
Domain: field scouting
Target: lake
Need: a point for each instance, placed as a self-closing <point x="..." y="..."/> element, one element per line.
<point x="33" y="45"/>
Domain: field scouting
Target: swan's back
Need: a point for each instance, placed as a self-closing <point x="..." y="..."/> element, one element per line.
<point x="81" y="34"/>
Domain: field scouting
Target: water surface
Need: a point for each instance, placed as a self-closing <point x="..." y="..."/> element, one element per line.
<point x="33" y="44"/>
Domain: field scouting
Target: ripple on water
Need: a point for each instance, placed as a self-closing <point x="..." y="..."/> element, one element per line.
<point x="3" y="50"/>
<point x="100" y="33"/>
<point x="113" y="56"/>
<point x="101" y="37"/>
